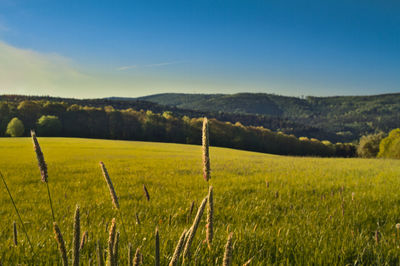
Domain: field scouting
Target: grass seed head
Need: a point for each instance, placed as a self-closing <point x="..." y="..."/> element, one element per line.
<point x="205" y="148"/>
<point x="61" y="244"/>
<point x="178" y="249"/>
<point x="113" y="194"/>
<point x="40" y="158"/>
<point x="146" y="193"/>
<point x="228" y="251"/>
<point x="111" y="239"/>
<point x="115" y="248"/>
<point x="76" y="237"/>
<point x="186" y="252"/>
<point x="157" y="247"/>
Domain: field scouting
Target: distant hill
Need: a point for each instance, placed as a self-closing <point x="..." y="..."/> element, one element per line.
<point x="274" y="123"/>
<point x="348" y="117"/>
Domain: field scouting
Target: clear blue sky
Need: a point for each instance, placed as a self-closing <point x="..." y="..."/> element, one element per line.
<point x="115" y="48"/>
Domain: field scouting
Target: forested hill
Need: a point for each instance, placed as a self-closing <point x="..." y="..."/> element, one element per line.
<point x="273" y="123"/>
<point x="99" y="118"/>
<point x="347" y="117"/>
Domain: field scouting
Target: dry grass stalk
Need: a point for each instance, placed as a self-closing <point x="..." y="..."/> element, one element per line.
<point x="113" y="194"/>
<point x="100" y="258"/>
<point x="61" y="244"/>
<point x="210" y="215"/>
<point x="205" y="147"/>
<point x="228" y="251"/>
<point x="15" y="234"/>
<point x="111" y="238"/>
<point x="157" y="247"/>
<point x="178" y="249"/>
<point x="76" y="237"/>
<point x="84" y="240"/>
<point x="146" y="193"/>
<point x="186" y="252"/>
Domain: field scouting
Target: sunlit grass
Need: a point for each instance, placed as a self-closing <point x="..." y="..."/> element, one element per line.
<point x="305" y="216"/>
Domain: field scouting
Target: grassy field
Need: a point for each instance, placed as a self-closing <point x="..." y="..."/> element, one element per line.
<point x="313" y="211"/>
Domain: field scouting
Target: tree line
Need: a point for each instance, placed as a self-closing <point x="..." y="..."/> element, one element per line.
<point x="58" y="118"/>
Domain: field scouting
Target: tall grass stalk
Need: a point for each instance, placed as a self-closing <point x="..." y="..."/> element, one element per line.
<point x="111" y="238"/>
<point x="205" y="148"/>
<point x="100" y="258"/>
<point x="115" y="249"/>
<point x="113" y="194"/>
<point x="43" y="168"/>
<point x="157" y="248"/>
<point x="61" y="244"/>
<point x="76" y="237"/>
<point x="16" y="210"/>
<point x="186" y="252"/>
<point x="178" y="249"/>
<point x="210" y="217"/>
<point x="228" y="251"/>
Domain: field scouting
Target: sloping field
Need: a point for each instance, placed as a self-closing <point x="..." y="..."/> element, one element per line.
<point x="310" y="210"/>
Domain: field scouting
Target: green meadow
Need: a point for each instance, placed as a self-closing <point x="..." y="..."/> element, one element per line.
<point x="281" y="210"/>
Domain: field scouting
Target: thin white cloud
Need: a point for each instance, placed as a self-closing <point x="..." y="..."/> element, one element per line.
<point x="164" y="64"/>
<point x="126" y="67"/>
<point x="123" y="68"/>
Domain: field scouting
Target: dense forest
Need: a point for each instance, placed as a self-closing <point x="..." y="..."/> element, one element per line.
<point x="108" y="119"/>
<point x="341" y="118"/>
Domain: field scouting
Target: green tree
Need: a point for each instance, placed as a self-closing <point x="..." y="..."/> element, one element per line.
<point x="390" y="146"/>
<point x="49" y="125"/>
<point x="369" y="145"/>
<point x="15" y="128"/>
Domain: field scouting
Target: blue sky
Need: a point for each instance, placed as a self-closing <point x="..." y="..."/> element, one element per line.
<point x="89" y="49"/>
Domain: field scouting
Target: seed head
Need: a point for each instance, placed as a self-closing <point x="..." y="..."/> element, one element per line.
<point x="228" y="252"/>
<point x="76" y="237"/>
<point x="146" y="193"/>
<point x="178" y="249"/>
<point x="113" y="194"/>
<point x="205" y="146"/>
<point x="40" y="158"/>
<point x="61" y="244"/>
<point x="186" y="252"/>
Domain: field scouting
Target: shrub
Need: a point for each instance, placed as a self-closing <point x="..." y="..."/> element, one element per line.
<point x="15" y="128"/>
<point x="369" y="145"/>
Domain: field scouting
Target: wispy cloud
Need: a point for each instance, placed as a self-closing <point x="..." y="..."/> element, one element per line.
<point x="127" y="67"/>
<point x="165" y="64"/>
<point x="123" y="68"/>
